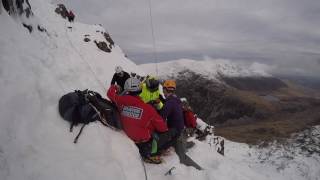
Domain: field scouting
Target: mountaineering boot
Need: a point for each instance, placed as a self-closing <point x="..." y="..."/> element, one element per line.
<point x="153" y="160"/>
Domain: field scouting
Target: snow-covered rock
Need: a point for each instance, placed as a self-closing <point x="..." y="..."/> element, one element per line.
<point x="208" y="68"/>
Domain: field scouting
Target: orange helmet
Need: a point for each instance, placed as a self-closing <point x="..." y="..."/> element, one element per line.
<point x="170" y="84"/>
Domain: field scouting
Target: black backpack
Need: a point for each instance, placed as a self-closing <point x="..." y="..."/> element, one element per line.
<point x="83" y="107"/>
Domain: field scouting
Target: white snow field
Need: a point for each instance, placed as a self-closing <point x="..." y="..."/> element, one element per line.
<point x="209" y="68"/>
<point x="35" y="143"/>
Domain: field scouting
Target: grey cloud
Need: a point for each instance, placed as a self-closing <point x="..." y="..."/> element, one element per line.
<point x="284" y="33"/>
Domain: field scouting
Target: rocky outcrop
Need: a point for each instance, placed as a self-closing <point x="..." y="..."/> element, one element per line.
<point x="102" y="46"/>
<point x="29" y="27"/>
<point x="20" y="7"/>
<point x="210" y="99"/>
<point x="20" y="4"/>
<point x="109" y="39"/>
<point x="62" y="10"/>
<point x="245" y="101"/>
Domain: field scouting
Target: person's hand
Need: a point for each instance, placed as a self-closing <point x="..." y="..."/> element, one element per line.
<point x="118" y="88"/>
<point x="157" y="101"/>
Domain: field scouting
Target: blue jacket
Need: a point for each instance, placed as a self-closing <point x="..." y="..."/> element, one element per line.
<point x="173" y="113"/>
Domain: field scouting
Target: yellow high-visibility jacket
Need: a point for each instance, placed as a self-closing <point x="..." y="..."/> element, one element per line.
<point x="148" y="96"/>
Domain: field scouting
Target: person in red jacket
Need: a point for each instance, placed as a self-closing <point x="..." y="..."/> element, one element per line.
<point x="190" y="119"/>
<point x="140" y="121"/>
<point x="193" y="122"/>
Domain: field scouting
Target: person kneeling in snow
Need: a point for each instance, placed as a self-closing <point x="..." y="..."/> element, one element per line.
<point x="140" y="121"/>
<point x="173" y="113"/>
<point x="194" y="123"/>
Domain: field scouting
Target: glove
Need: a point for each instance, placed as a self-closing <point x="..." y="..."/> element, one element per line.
<point x="118" y="88"/>
<point x="154" y="102"/>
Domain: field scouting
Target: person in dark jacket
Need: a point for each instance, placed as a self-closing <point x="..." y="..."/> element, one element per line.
<point x="120" y="77"/>
<point x="172" y="109"/>
<point x="140" y="121"/>
<point x="172" y="112"/>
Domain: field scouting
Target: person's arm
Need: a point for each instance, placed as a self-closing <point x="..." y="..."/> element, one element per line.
<point x="127" y="75"/>
<point x="162" y="99"/>
<point x="112" y="93"/>
<point x="159" y="124"/>
<point x="113" y="81"/>
<point x="166" y="110"/>
<point x="191" y="119"/>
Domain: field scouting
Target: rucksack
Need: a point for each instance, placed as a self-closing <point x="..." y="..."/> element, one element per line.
<point x="189" y="119"/>
<point x="83" y="107"/>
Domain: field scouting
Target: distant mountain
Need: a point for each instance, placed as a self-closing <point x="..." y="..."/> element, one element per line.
<point x="305" y="81"/>
<point x="209" y="68"/>
<point x="246" y="104"/>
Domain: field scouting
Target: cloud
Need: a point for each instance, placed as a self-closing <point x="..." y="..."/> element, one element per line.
<point x="284" y="33"/>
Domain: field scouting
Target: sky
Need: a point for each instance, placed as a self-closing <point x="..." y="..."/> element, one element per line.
<point x="282" y="34"/>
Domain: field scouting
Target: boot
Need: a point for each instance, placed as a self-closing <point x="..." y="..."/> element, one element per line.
<point x="153" y="160"/>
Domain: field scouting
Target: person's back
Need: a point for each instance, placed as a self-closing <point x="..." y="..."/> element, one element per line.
<point x="173" y="113"/>
<point x="190" y="119"/>
<point x="150" y="93"/>
<point x="172" y="109"/>
<point x="139" y="120"/>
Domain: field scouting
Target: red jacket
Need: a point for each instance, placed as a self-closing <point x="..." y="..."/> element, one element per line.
<point x="189" y="119"/>
<point x="139" y="120"/>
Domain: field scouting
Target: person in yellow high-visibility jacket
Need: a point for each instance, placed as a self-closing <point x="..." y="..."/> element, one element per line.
<point x="150" y="92"/>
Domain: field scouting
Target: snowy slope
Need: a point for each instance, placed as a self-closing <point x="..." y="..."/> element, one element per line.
<point x="208" y="68"/>
<point x="36" y="69"/>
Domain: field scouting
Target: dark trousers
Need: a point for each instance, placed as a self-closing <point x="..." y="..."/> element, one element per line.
<point x="181" y="148"/>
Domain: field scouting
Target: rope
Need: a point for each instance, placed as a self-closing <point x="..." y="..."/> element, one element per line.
<point x="153" y="38"/>
<point x="94" y="74"/>
<point x="144" y="168"/>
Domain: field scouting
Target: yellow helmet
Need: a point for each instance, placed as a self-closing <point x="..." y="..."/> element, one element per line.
<point x="170" y="84"/>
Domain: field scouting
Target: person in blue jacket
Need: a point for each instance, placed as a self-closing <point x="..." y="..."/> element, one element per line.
<point x="172" y="112"/>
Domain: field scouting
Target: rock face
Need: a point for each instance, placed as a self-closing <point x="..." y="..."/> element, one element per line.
<point x="20" y="7"/>
<point x="109" y="39"/>
<point x="248" y="109"/>
<point x="8" y="5"/>
<point x="102" y="46"/>
<point x="210" y="99"/>
<point x="62" y="10"/>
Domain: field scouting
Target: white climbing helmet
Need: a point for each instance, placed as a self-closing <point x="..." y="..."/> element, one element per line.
<point x="132" y="85"/>
<point x="118" y="69"/>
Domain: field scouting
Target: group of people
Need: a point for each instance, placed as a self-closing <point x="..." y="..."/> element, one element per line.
<point x="153" y="122"/>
